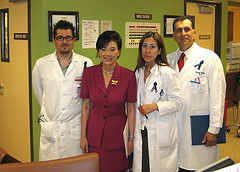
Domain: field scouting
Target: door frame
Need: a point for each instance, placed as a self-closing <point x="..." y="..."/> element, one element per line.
<point x="218" y="21"/>
<point x="30" y="80"/>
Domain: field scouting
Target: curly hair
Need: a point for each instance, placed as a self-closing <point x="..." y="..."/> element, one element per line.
<point x="63" y="24"/>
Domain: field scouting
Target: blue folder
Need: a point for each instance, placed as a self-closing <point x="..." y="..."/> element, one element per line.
<point x="199" y="126"/>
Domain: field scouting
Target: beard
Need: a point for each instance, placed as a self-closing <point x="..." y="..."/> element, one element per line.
<point x="65" y="52"/>
<point x="65" y="49"/>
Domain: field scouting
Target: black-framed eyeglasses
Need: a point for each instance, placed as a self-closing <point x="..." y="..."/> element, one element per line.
<point x="61" y="38"/>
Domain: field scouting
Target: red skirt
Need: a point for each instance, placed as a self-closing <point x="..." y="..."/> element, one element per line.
<point x="110" y="160"/>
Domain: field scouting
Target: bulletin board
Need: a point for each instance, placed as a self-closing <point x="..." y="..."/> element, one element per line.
<point x="135" y="30"/>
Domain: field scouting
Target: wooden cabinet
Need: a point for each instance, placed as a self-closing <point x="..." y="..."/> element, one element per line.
<point x="233" y="87"/>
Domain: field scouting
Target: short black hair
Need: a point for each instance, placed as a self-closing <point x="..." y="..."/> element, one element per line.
<point x="182" y="18"/>
<point x="63" y="24"/>
<point x="107" y="37"/>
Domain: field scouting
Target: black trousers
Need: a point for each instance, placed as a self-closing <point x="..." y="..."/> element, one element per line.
<point x="145" y="153"/>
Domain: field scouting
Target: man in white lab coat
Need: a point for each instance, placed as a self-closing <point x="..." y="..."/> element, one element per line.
<point x="202" y="82"/>
<point x="56" y="85"/>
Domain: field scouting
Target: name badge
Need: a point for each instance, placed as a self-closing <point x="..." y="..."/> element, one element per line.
<point x="195" y="83"/>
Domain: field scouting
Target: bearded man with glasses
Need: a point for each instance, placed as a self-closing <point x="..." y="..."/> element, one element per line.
<point x="56" y="85"/>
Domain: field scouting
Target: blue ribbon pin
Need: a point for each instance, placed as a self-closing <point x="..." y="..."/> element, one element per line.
<point x="154" y="87"/>
<point x="85" y="64"/>
<point x="161" y="93"/>
<point x="199" y="65"/>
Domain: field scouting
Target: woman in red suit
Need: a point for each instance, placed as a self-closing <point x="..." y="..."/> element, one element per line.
<point x="106" y="89"/>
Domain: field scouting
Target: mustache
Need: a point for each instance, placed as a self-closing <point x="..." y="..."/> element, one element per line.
<point x="64" y="44"/>
<point x="184" y="38"/>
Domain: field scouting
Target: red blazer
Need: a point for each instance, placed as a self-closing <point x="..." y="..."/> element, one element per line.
<point x="108" y="105"/>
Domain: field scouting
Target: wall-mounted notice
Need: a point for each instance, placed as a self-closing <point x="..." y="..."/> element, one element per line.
<point x="89" y="33"/>
<point x="21" y="36"/>
<point x="204" y="36"/>
<point x="106" y="25"/>
<point x="135" y="30"/>
<point x="143" y="16"/>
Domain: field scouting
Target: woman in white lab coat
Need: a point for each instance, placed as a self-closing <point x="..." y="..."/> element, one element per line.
<point x="156" y="138"/>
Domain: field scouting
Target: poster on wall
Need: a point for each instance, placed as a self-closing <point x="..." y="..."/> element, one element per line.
<point x="89" y="33"/>
<point x="106" y="25"/>
<point x="135" y="30"/>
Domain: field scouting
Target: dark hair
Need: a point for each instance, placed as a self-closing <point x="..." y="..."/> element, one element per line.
<point x="63" y="24"/>
<point x="182" y="18"/>
<point x="107" y="37"/>
<point x="161" y="58"/>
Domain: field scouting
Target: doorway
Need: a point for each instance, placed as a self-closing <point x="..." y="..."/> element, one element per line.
<point x="207" y="23"/>
<point x="14" y="78"/>
<point x="204" y="23"/>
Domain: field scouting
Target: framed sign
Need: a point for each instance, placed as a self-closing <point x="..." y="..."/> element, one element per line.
<point x="168" y="25"/>
<point x="55" y="16"/>
<point x="193" y="21"/>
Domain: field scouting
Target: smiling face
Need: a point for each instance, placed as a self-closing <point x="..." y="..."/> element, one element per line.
<point x="109" y="54"/>
<point x="150" y="51"/>
<point x="184" y="34"/>
<point x="64" y="46"/>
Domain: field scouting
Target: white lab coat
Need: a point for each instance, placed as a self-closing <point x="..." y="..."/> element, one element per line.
<point x="59" y="98"/>
<point x="207" y="99"/>
<point x="161" y="124"/>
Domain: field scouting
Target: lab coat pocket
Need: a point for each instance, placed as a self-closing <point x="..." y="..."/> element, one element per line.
<point x="47" y="132"/>
<point x="76" y="89"/>
<point x="198" y="85"/>
<point x="75" y="129"/>
<point x="152" y="97"/>
<point x="164" y="134"/>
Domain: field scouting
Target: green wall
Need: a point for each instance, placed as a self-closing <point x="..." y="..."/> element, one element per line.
<point x="119" y="12"/>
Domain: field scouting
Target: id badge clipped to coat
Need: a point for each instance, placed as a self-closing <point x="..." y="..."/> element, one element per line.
<point x="195" y="83"/>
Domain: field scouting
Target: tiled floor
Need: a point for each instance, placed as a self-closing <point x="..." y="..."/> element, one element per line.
<point x="232" y="147"/>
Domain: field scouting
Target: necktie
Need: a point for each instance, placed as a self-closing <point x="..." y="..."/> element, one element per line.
<point x="181" y="62"/>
